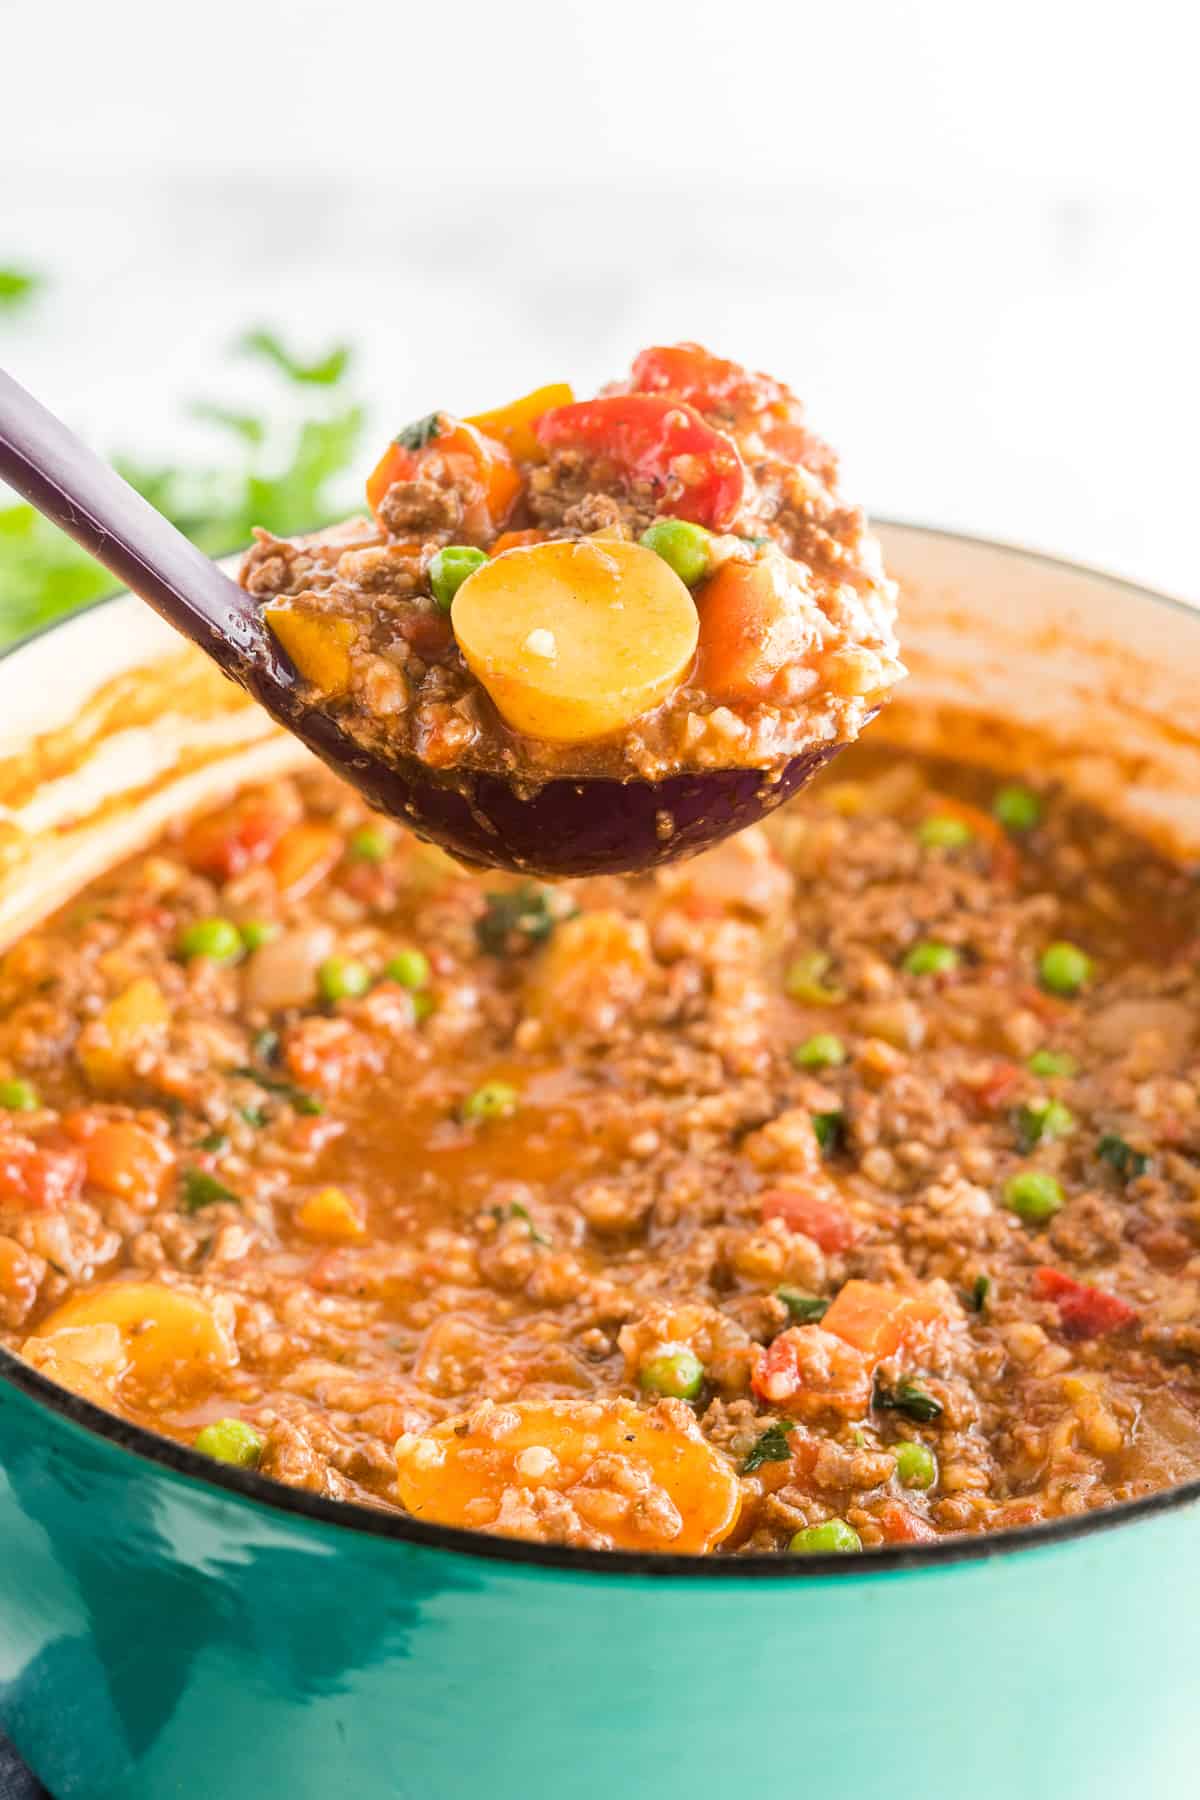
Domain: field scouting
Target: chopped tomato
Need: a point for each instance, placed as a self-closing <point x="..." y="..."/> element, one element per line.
<point x="995" y="1092"/>
<point x="880" y="1320"/>
<point x="37" y="1178"/>
<point x="121" y="1157"/>
<point x="753" y="626"/>
<point x="807" y="1370"/>
<point x="709" y="383"/>
<point x="227" y="843"/>
<point x="901" y="1525"/>
<point x="461" y="456"/>
<point x="1084" y="1311"/>
<point x="694" y="472"/>
<point x="822" y="1217"/>
<point x="429" y="633"/>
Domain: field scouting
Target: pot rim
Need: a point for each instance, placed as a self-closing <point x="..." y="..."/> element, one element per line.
<point x="355" y="1517"/>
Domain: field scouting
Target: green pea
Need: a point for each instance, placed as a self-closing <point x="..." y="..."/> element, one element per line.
<point x="931" y="958"/>
<point x="916" y="1464"/>
<point x="833" y="1538"/>
<point x="369" y="844"/>
<point x="684" y="547"/>
<point x="1064" y="968"/>
<point x="943" y="832"/>
<point x="217" y="939"/>
<point x="1048" y="1063"/>
<point x="257" y="932"/>
<point x="494" y="1100"/>
<point x="1017" y="808"/>
<point x="410" y="968"/>
<point x="18" y="1096"/>
<point x="676" y="1373"/>
<point x="1033" y="1195"/>
<point x="232" y="1441"/>
<point x="804" y="980"/>
<point x="450" y="568"/>
<point x="824" y="1051"/>
<point x="341" y="978"/>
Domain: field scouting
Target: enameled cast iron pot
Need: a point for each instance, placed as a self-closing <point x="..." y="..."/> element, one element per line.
<point x="172" y="1628"/>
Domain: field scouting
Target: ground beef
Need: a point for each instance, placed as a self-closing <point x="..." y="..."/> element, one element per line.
<point x="527" y="1164"/>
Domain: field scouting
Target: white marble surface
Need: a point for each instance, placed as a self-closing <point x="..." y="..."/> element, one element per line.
<point x="972" y="246"/>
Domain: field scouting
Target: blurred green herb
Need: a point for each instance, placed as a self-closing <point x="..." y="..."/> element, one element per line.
<point x="325" y="371"/>
<point x="278" y="474"/>
<point x="17" y="288"/>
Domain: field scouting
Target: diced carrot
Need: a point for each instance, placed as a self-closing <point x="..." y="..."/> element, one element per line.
<point x="880" y="1320"/>
<point x="38" y="1177"/>
<point x="121" y="1157"/>
<point x="459" y="455"/>
<point x="318" y="644"/>
<point x="516" y="540"/>
<point x="134" y="1022"/>
<point x="901" y="1525"/>
<point x="331" y="1215"/>
<point x="823" y="1217"/>
<point x="303" y="856"/>
<point x="806" y="1371"/>
<point x="512" y="425"/>
<point x="751" y="628"/>
<point x="229" y="842"/>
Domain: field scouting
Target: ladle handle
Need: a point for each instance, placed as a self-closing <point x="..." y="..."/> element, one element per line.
<point x="83" y="495"/>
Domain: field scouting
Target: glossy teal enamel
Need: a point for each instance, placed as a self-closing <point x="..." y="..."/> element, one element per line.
<point x="164" y="1637"/>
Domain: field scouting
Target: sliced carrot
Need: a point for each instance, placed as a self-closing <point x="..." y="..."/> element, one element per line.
<point x="880" y="1320"/>
<point x="459" y="455"/>
<point x="637" y="1479"/>
<point x="517" y="540"/>
<point x="170" y="1339"/>
<point x="752" y="627"/>
<point x="318" y="644"/>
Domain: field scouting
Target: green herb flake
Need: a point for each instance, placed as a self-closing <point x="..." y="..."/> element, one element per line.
<point x="420" y="433"/>
<point x="909" y="1398"/>
<point x="804" y="1309"/>
<point x="830" y="1129"/>
<point x="772" y="1446"/>
<point x="502" y="1214"/>
<point x="296" y="1097"/>
<point x="201" y="1189"/>
<point x="252" y="1115"/>
<point x="1128" y="1162"/>
<point x="980" y="1290"/>
<point x="514" y="918"/>
<point x="266" y="1046"/>
<point x="216" y="1142"/>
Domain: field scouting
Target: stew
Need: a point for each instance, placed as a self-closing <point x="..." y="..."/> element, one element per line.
<point x="662" y="579"/>
<point x="836" y="1189"/>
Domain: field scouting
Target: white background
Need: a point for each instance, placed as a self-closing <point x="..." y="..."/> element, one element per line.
<point x="968" y="235"/>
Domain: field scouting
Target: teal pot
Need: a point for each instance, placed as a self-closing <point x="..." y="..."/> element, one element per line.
<point x="172" y="1628"/>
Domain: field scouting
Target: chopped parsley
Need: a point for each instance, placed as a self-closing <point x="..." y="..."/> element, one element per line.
<point x="772" y="1446"/>
<point x="909" y="1398"/>
<point x="252" y="1115"/>
<point x="502" y="1214"/>
<point x="514" y="919"/>
<point x="830" y="1128"/>
<point x="980" y="1290"/>
<point x="296" y="1097"/>
<point x="266" y="1046"/>
<point x="216" y="1141"/>
<point x="805" y="1309"/>
<point x="201" y="1189"/>
<point x="1128" y="1162"/>
<point x="420" y="432"/>
<point x="321" y="371"/>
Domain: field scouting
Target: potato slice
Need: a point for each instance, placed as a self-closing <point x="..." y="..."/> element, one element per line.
<point x="136" y="1021"/>
<point x="607" y="1474"/>
<point x="169" y="1338"/>
<point x="574" y="640"/>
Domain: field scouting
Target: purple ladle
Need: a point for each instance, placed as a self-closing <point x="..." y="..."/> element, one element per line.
<point x="586" y="826"/>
